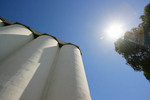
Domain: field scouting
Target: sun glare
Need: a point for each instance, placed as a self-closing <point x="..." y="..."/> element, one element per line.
<point x="114" y="31"/>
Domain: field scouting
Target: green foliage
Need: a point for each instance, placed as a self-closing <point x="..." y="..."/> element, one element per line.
<point x="137" y="56"/>
<point x="147" y="75"/>
<point x="132" y="47"/>
<point x="136" y="34"/>
<point x="146" y="17"/>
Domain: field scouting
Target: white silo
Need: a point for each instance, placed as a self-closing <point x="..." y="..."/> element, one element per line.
<point x="36" y="66"/>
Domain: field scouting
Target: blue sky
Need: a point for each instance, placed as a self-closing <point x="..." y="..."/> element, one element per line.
<point x="83" y="22"/>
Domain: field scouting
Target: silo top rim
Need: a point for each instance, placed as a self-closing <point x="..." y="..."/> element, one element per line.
<point x="37" y="34"/>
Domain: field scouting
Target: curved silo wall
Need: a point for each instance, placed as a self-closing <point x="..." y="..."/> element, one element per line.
<point x="69" y="79"/>
<point x="38" y="84"/>
<point x="13" y="37"/>
<point x="28" y="67"/>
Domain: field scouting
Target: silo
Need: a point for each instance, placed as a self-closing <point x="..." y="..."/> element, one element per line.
<point x="36" y="66"/>
<point x="26" y="71"/>
<point x="68" y="80"/>
<point x="12" y="38"/>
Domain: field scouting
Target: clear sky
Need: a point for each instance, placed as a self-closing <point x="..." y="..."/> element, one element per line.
<point x="84" y="23"/>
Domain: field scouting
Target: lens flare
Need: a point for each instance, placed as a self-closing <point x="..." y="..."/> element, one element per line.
<point x="114" y="31"/>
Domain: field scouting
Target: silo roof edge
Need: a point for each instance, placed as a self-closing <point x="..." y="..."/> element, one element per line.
<point x="37" y="34"/>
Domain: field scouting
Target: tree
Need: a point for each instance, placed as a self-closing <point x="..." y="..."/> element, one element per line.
<point x="136" y="34"/>
<point x="135" y="45"/>
<point x="146" y="17"/>
<point x="137" y="56"/>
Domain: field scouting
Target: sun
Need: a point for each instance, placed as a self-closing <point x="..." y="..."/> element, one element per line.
<point x="114" y="31"/>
